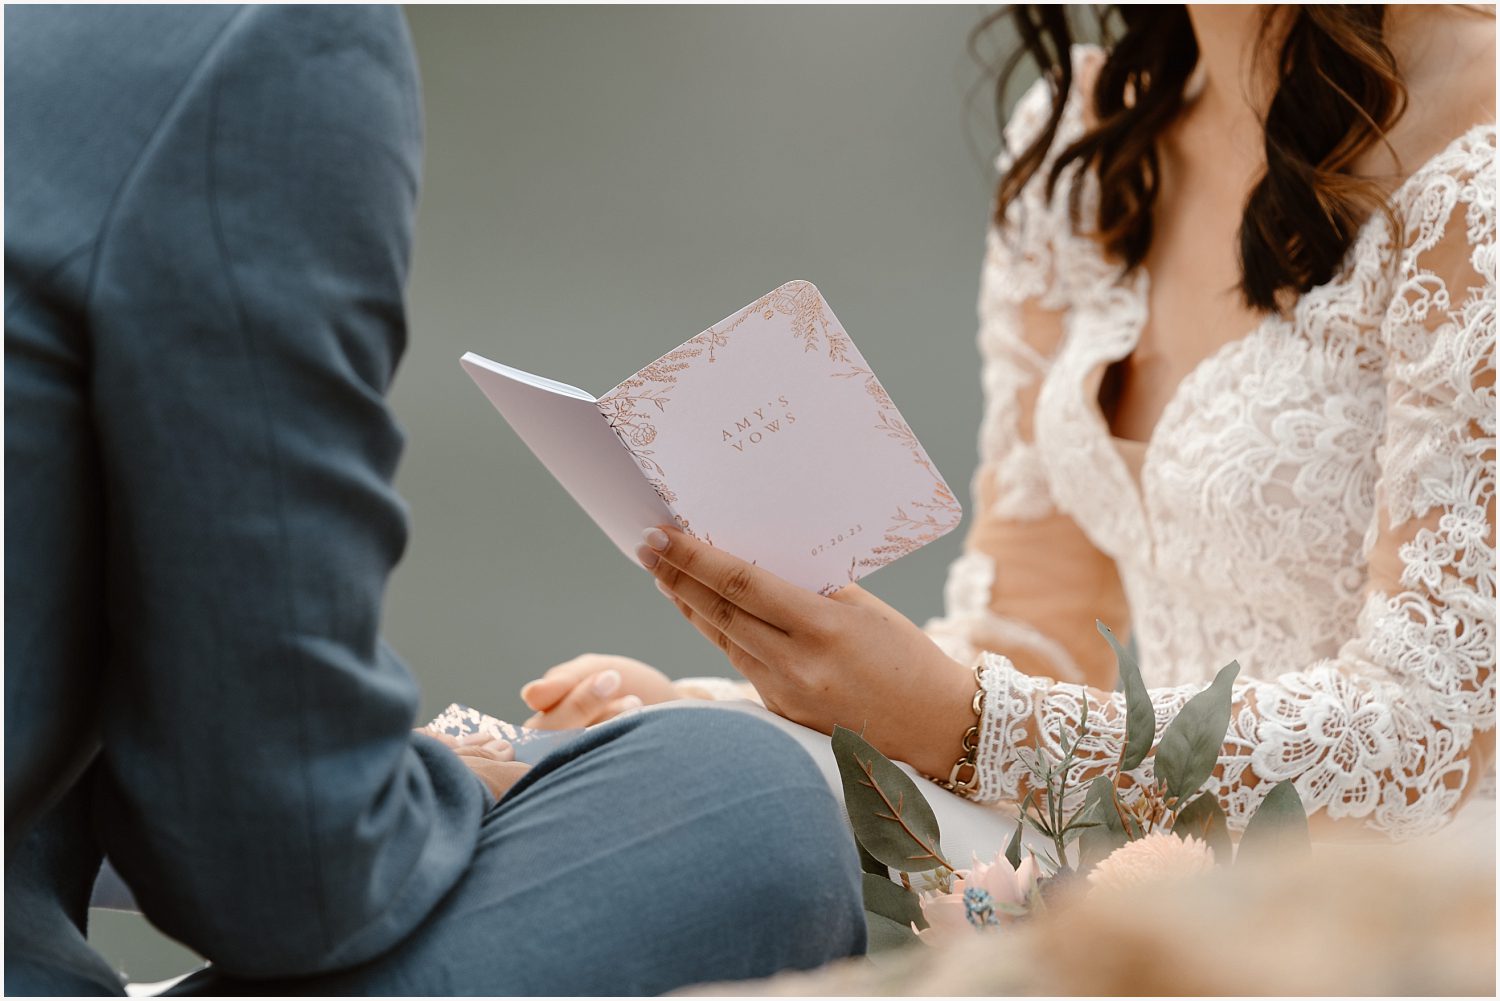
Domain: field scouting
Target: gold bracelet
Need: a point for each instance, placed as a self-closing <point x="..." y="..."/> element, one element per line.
<point x="964" y="775"/>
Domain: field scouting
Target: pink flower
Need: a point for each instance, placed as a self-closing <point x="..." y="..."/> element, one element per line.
<point x="946" y="914"/>
<point x="1158" y="857"/>
<point x="979" y="898"/>
<point x="1004" y="883"/>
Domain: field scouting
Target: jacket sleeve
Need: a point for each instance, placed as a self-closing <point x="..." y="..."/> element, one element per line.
<point x="265" y="797"/>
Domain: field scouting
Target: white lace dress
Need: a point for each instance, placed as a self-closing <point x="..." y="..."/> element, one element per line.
<point x="1317" y="502"/>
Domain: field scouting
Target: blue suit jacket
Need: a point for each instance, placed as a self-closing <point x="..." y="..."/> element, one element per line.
<point x="208" y="220"/>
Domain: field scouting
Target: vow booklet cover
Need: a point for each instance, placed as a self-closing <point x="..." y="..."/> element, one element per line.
<point x="766" y="435"/>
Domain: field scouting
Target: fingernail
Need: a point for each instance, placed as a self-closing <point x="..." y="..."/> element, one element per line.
<point x="656" y="539"/>
<point x="664" y="590"/>
<point x="631" y="702"/>
<point x="498" y="744"/>
<point x="478" y="737"/>
<point x="647" y="556"/>
<point x="606" y="683"/>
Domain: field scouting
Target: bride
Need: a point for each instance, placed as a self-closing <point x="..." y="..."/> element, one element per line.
<point x="1238" y="326"/>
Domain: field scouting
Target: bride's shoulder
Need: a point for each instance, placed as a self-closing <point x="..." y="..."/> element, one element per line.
<point x="1032" y="249"/>
<point x="1447" y="203"/>
<point x="1067" y="115"/>
<point x="1029" y="118"/>
<point x="1446" y="59"/>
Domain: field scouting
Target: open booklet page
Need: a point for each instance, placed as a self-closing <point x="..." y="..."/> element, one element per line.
<point x="769" y="436"/>
<point x="766" y="435"/>
<point x="562" y="427"/>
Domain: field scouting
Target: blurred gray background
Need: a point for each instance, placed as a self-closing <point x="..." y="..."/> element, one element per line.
<point x="600" y="185"/>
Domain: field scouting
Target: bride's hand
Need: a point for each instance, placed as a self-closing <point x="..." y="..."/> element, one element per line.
<point x="847" y="659"/>
<point x="592" y="688"/>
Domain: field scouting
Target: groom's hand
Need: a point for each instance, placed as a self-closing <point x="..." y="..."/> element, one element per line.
<point x="497" y="776"/>
<point x="491" y="759"/>
<point x="592" y="688"/>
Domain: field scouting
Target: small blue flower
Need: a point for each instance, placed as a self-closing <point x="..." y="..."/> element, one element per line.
<point x="979" y="907"/>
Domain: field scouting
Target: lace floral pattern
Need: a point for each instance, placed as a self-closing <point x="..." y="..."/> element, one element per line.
<point x="1293" y="469"/>
<point x="1021" y="264"/>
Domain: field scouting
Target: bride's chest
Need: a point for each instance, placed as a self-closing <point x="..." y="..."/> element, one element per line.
<point x="1262" y="462"/>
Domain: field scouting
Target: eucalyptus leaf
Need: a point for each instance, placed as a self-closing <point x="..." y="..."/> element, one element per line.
<point x="1013" y="849"/>
<point x="886" y="935"/>
<point x="1140" y="716"/>
<point x="1078" y="825"/>
<point x="1098" y="804"/>
<point x="1278" y="826"/>
<point x="1204" y="819"/>
<point x="1097" y="842"/>
<point x="1039" y="824"/>
<point x="1096" y="845"/>
<point x="1033" y="814"/>
<point x="1190" y="745"/>
<point x="893" y="901"/>
<point x="890" y="818"/>
<point x="1077" y="831"/>
<point x="869" y="863"/>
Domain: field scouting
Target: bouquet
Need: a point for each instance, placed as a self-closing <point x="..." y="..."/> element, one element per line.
<point x="912" y="891"/>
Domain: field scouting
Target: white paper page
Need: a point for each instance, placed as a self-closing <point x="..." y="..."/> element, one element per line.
<point x="562" y="426"/>
<point x="776" y="442"/>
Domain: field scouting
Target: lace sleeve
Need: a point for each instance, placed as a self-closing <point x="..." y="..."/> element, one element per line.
<point x="1023" y="292"/>
<point x="1393" y="730"/>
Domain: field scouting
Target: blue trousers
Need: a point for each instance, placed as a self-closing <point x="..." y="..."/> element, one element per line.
<point x="657" y="851"/>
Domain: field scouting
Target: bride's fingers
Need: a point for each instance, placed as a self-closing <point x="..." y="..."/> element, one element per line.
<point x="583" y="701"/>
<point x="853" y="594"/>
<point x="615" y="708"/>
<point x="669" y="550"/>
<point x="757" y="638"/>
<point x="546" y="692"/>
<point x="740" y="658"/>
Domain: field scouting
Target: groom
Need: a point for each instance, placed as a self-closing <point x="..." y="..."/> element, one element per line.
<point x="208" y="217"/>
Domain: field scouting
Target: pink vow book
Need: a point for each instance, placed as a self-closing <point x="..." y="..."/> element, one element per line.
<point x="766" y="435"/>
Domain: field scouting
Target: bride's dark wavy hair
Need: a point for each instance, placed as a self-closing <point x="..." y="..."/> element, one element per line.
<point x="1338" y="93"/>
